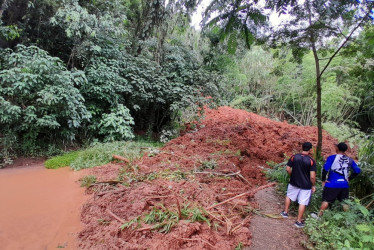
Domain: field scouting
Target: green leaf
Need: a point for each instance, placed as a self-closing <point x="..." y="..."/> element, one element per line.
<point x="363" y="227"/>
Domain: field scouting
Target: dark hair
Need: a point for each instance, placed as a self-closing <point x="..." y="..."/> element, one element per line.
<point x="307" y="146"/>
<point x="342" y="147"/>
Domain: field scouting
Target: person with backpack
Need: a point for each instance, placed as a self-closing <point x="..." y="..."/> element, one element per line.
<point x="302" y="170"/>
<point x="337" y="167"/>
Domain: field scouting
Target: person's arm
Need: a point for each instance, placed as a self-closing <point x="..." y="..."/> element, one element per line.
<point x="324" y="174"/>
<point x="326" y="168"/>
<point x="313" y="180"/>
<point x="289" y="165"/>
<point x="355" y="170"/>
<point x="289" y="170"/>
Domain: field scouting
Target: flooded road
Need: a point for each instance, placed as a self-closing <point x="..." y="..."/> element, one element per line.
<point x="39" y="208"/>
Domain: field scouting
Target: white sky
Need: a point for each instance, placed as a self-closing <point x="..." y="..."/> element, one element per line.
<point x="197" y="16"/>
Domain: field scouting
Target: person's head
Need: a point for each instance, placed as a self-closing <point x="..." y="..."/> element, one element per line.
<point x="307" y="146"/>
<point x="341" y="147"/>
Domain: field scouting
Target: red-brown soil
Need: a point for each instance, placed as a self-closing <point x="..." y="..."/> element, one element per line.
<point x="224" y="157"/>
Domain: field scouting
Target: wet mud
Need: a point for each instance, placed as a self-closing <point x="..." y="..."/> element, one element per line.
<point x="39" y="208"/>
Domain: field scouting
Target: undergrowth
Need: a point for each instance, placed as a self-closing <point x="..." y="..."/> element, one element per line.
<point x="88" y="180"/>
<point x="62" y="160"/>
<point x="100" y="154"/>
<point x="129" y="175"/>
<point x="338" y="229"/>
<point x="164" y="219"/>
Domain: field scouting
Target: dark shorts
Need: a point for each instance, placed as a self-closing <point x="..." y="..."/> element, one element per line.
<point x="332" y="194"/>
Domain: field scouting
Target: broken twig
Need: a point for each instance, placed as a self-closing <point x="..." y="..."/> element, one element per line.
<point x="115" y="216"/>
<point x="243" y="194"/>
<point x="120" y="158"/>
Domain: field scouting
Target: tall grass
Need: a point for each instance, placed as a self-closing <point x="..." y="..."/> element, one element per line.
<point x="101" y="153"/>
<point x="363" y="184"/>
<point x="61" y="160"/>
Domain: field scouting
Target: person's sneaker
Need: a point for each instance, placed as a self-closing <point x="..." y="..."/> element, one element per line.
<point x="299" y="224"/>
<point x="284" y="214"/>
<point x="315" y="216"/>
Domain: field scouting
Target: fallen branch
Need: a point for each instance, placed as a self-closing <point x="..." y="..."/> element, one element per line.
<point x="179" y="206"/>
<point x="215" y="217"/>
<point x="107" y="182"/>
<point x="199" y="240"/>
<point x="144" y="229"/>
<point x="237" y="173"/>
<point x="370" y="203"/>
<point x="120" y="158"/>
<point x="159" y="197"/>
<point x="232" y="198"/>
<point x="241" y="176"/>
<point x="228" y="194"/>
<point x="228" y="223"/>
<point x="246" y="220"/>
<point x="243" y="194"/>
<point x="110" y="182"/>
<point x="221" y="174"/>
<point x="112" y="191"/>
<point x="115" y="216"/>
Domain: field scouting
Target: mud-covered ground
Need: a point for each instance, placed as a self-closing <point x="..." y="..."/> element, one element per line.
<point x="179" y="189"/>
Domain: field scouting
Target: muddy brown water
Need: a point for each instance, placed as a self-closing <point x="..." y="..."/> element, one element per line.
<point x="40" y="208"/>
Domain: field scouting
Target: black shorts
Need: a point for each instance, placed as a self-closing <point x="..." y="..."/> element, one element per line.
<point x="332" y="194"/>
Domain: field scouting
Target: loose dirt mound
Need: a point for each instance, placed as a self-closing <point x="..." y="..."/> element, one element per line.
<point x="178" y="190"/>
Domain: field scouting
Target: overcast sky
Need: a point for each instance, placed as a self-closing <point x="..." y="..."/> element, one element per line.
<point x="197" y="16"/>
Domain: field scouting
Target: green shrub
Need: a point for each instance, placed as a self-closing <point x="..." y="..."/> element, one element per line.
<point x="39" y="101"/>
<point x="62" y="160"/>
<point x="363" y="184"/>
<point x="101" y="153"/>
<point x="277" y="172"/>
<point x="353" y="229"/>
<point x="117" y="124"/>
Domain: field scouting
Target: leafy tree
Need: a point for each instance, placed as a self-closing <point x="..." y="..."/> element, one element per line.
<point x="362" y="72"/>
<point x="87" y="31"/>
<point x="155" y="19"/>
<point x="39" y="99"/>
<point x="235" y="19"/>
<point x="313" y="24"/>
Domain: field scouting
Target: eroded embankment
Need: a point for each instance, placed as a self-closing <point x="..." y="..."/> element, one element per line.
<point x="223" y="158"/>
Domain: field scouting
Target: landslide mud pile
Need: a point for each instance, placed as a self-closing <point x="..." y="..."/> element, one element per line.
<point x="172" y="199"/>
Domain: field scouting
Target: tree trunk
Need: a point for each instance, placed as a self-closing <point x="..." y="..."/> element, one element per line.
<point x="319" y="87"/>
<point x="3" y="7"/>
<point x="319" y="113"/>
<point x="319" y="100"/>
